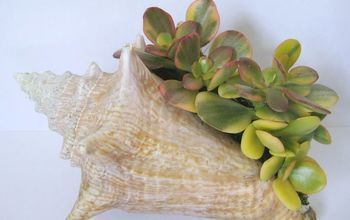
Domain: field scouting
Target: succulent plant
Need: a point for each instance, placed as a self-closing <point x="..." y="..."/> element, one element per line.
<point x="276" y="111"/>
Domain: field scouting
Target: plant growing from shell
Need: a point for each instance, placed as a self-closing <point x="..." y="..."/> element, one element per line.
<point x="275" y="112"/>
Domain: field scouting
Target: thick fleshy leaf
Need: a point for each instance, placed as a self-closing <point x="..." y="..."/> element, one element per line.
<point x="157" y="21"/>
<point x="288" y="170"/>
<point x="308" y="177"/>
<point x="233" y="39"/>
<point x="322" y="135"/>
<point x="250" y="72"/>
<point x="286" y="194"/>
<point x="303" y="149"/>
<point x="176" y="95"/>
<point x="268" y="125"/>
<point x="196" y="70"/>
<point x="265" y="112"/>
<point x="187" y="52"/>
<point x="224" y="115"/>
<point x="276" y="100"/>
<point x="270" y="141"/>
<point x="157" y="51"/>
<point x="306" y="102"/>
<point x="164" y="40"/>
<point x="286" y="153"/>
<point x="302" y="75"/>
<point x="272" y="76"/>
<point x="221" y="55"/>
<point x="270" y="167"/>
<point x="186" y="28"/>
<point x="302" y="90"/>
<point x="154" y="62"/>
<point x="221" y="75"/>
<point x="228" y="91"/>
<point x="206" y="64"/>
<point x="323" y="96"/>
<point x="250" y="145"/>
<point x="276" y="64"/>
<point x="300" y="126"/>
<point x="191" y="83"/>
<point x="299" y="110"/>
<point x="288" y="52"/>
<point x="206" y="14"/>
<point x="249" y="93"/>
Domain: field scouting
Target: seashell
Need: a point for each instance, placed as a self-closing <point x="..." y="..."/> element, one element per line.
<point x="139" y="154"/>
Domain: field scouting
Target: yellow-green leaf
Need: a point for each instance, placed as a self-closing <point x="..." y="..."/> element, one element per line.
<point x="233" y="39"/>
<point x="173" y="93"/>
<point x="286" y="194"/>
<point x="250" y="72"/>
<point x="222" y="55"/>
<point x="250" y="144"/>
<point x="323" y="96"/>
<point x="302" y="75"/>
<point x="306" y="102"/>
<point x="270" y="167"/>
<point x="268" y="125"/>
<point x="288" y="52"/>
<point x="223" y="114"/>
<point x="322" y="135"/>
<point x="187" y="52"/>
<point x="302" y="90"/>
<point x="276" y="100"/>
<point x="308" y="177"/>
<point x="206" y="14"/>
<point x="300" y="126"/>
<point x="264" y="112"/>
<point x="186" y="28"/>
<point x="157" y="21"/>
<point x="286" y="153"/>
<point x="270" y="141"/>
<point x="221" y="75"/>
<point x="228" y="91"/>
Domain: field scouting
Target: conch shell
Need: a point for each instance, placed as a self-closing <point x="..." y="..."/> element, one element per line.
<point x="139" y="154"/>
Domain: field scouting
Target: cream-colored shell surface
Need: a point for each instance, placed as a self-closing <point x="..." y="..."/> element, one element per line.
<point x="139" y="154"/>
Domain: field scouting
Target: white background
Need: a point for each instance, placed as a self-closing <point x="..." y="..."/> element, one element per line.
<point x="60" y="35"/>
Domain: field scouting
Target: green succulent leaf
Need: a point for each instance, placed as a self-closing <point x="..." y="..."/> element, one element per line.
<point x="164" y="40"/>
<point x="154" y="62"/>
<point x="306" y="102"/>
<point x="206" y="14"/>
<point x="187" y="52"/>
<point x="206" y="64"/>
<point x="222" y="114"/>
<point x="322" y="135"/>
<point x="302" y="75"/>
<point x="270" y="167"/>
<point x="186" y="28"/>
<point x="300" y="126"/>
<point x="222" y="55"/>
<point x="156" y="51"/>
<point x="155" y="22"/>
<point x="191" y="83"/>
<point x="323" y="96"/>
<point x="288" y="170"/>
<point x="286" y="153"/>
<point x="249" y="93"/>
<point x="302" y="90"/>
<point x="273" y="76"/>
<point x="276" y="100"/>
<point x="268" y="125"/>
<point x="308" y="177"/>
<point x="173" y="93"/>
<point x="228" y="91"/>
<point x="270" y="141"/>
<point x="285" y="192"/>
<point x="221" y="75"/>
<point x="250" y="145"/>
<point x="250" y="72"/>
<point x="265" y="112"/>
<point x="288" y="52"/>
<point x="233" y="39"/>
<point x="303" y="149"/>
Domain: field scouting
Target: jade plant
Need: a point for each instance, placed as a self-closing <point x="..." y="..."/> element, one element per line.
<point x="275" y="112"/>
